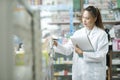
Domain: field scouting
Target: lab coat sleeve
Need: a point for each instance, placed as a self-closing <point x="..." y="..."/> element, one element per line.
<point x="66" y="49"/>
<point x="100" y="54"/>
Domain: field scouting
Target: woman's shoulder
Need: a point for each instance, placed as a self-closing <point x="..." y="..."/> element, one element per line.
<point x="101" y="31"/>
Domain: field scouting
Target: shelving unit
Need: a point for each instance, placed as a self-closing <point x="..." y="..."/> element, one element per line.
<point x="114" y="65"/>
<point x="62" y="67"/>
<point x="113" y="58"/>
<point x="111" y="22"/>
<point x="112" y="61"/>
<point x="65" y="23"/>
<point x="62" y="64"/>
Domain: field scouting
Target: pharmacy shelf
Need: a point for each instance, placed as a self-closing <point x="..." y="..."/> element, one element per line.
<point x="115" y="61"/>
<point x="111" y="22"/>
<point x="78" y="22"/>
<point x="62" y="63"/>
<point x="64" y="23"/>
<point x="62" y="73"/>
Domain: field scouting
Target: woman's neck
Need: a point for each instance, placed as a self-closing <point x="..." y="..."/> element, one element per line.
<point x="90" y="28"/>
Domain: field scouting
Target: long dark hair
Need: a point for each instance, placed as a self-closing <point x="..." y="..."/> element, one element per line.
<point x="96" y="14"/>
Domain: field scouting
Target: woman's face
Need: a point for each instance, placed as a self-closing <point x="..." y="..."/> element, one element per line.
<point x="88" y="20"/>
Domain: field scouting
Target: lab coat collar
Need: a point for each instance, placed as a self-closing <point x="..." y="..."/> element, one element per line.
<point x="93" y="30"/>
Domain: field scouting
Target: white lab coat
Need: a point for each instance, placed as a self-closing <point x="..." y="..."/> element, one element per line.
<point x="92" y="66"/>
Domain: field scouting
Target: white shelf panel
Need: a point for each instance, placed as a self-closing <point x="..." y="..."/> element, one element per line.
<point x="115" y="62"/>
<point x="62" y="74"/>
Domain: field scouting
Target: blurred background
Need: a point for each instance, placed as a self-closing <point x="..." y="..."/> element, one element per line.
<point x="26" y="28"/>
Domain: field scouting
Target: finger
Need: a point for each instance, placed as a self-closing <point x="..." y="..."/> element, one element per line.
<point x="77" y="46"/>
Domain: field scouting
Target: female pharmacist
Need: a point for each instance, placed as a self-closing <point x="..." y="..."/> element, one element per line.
<point x="88" y="65"/>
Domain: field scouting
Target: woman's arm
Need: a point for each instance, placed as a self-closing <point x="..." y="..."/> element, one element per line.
<point x="66" y="49"/>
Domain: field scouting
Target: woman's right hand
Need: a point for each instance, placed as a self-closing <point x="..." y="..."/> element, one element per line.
<point x="55" y="42"/>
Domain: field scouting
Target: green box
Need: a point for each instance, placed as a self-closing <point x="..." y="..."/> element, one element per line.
<point x="76" y="5"/>
<point x="118" y="3"/>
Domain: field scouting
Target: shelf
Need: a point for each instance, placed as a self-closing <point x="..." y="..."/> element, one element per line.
<point x="111" y="22"/>
<point x="62" y="74"/>
<point x="115" y="62"/>
<point x="53" y="7"/>
<point x="62" y="62"/>
<point x="116" y="9"/>
<point x="115" y="77"/>
<point x="78" y="22"/>
<point x="64" y="23"/>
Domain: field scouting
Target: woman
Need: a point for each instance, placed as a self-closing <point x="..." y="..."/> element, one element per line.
<point x="88" y="65"/>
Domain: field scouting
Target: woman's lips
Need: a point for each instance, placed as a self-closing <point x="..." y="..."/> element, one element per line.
<point x="84" y="23"/>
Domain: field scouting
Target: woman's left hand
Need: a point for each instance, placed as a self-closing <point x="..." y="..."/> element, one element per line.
<point x="78" y="50"/>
